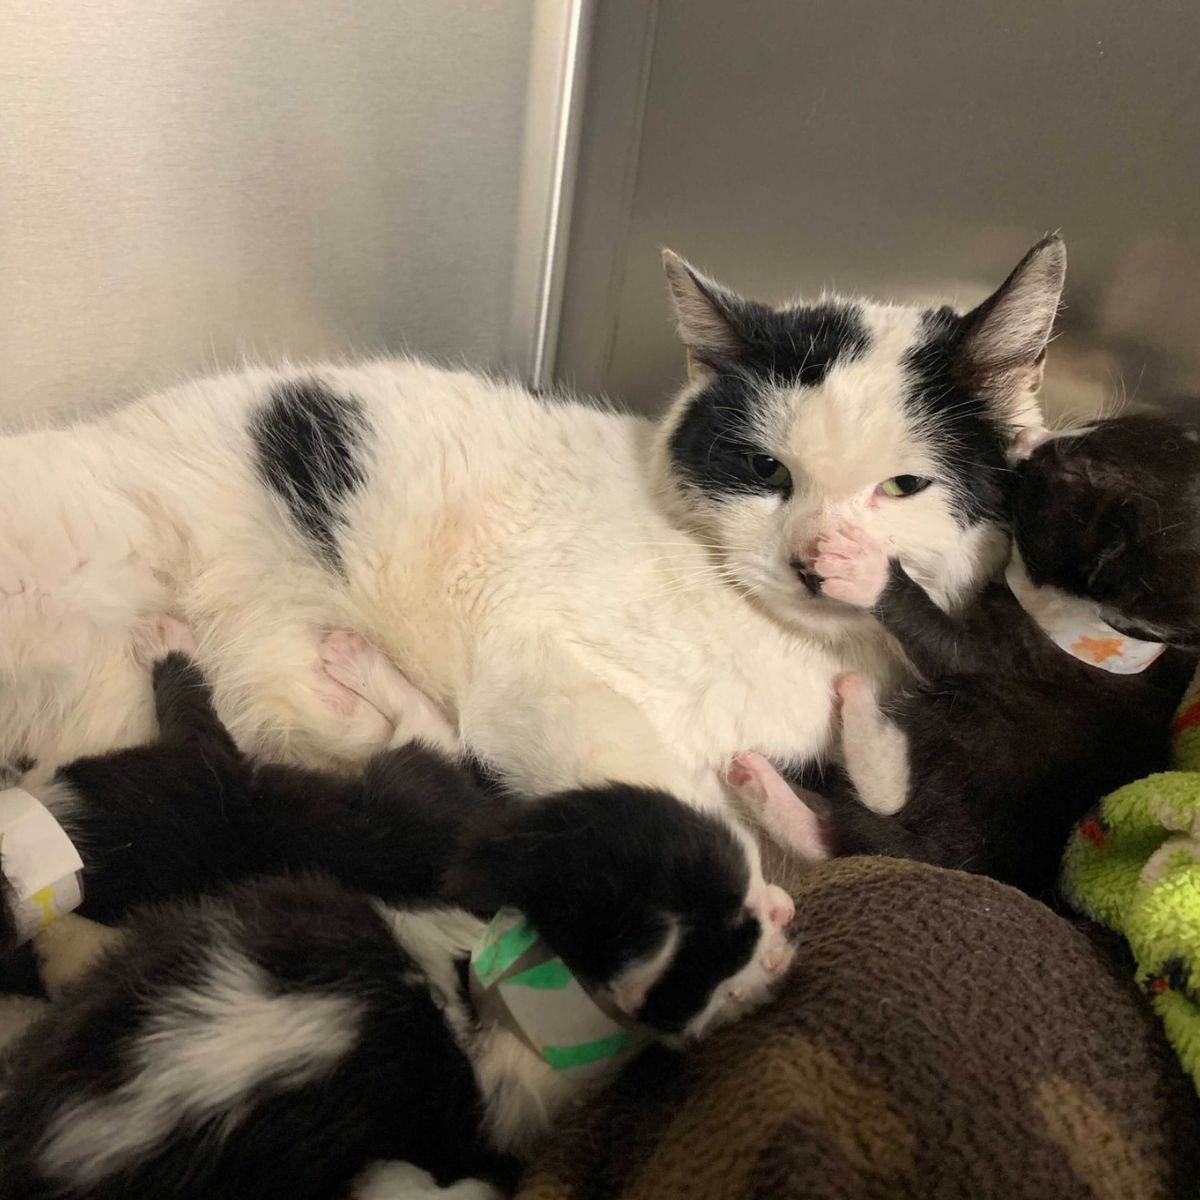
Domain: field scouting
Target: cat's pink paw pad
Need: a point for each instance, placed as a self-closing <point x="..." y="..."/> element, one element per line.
<point x="346" y="659"/>
<point x="748" y="774"/>
<point x="854" y="693"/>
<point x="853" y="567"/>
<point x="780" y="906"/>
<point x="777" y="958"/>
<point x="176" y="637"/>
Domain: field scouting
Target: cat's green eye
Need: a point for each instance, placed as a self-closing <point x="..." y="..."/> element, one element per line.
<point x="903" y="485"/>
<point x="769" y="471"/>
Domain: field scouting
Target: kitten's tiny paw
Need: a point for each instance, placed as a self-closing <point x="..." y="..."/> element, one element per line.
<point x="853" y="567"/>
<point x="853" y="692"/>
<point x="748" y="775"/>
<point x="176" y="636"/>
<point x="780" y="906"/>
<point x="162" y="637"/>
<point x="777" y="958"/>
<point x="355" y="666"/>
<point x="346" y="659"/>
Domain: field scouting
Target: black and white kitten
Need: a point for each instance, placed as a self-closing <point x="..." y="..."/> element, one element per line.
<point x="274" y="1038"/>
<point x="1012" y="736"/>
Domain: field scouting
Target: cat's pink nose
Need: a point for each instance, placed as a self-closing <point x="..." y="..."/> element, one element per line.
<point x="807" y="576"/>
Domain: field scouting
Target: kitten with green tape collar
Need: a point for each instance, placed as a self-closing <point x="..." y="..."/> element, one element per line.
<point x="276" y="1036"/>
<point x="1045" y="693"/>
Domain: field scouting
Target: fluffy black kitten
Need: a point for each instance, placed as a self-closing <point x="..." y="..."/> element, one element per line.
<point x="274" y="1038"/>
<point x="1009" y="740"/>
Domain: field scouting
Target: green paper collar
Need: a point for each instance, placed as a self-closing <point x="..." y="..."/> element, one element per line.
<point x="518" y="981"/>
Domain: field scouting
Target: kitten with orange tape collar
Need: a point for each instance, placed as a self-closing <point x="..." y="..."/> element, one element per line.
<point x="1053" y="688"/>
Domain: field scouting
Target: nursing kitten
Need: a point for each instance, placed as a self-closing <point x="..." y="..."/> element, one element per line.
<point x="591" y="596"/>
<point x="275" y="1038"/>
<point x="1009" y="740"/>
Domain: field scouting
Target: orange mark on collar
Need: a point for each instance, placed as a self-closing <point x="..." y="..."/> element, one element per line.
<point x="1099" y="649"/>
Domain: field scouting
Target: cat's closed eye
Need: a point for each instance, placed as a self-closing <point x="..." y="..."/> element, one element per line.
<point x="900" y="486"/>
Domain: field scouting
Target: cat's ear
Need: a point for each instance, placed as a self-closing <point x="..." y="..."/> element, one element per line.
<point x="706" y="315"/>
<point x="1004" y="349"/>
<point x="632" y="985"/>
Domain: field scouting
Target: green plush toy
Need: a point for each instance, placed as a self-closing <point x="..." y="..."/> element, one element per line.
<point x="1135" y="866"/>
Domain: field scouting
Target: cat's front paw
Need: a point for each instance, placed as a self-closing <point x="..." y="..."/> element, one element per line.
<point x="853" y="567"/>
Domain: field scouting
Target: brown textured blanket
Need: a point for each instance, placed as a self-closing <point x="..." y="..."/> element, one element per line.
<point x="941" y="1036"/>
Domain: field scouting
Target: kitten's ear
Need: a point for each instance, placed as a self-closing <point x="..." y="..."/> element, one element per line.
<point x="631" y="987"/>
<point x="1004" y="350"/>
<point x="706" y="315"/>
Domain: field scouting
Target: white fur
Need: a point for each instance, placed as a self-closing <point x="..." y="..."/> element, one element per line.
<point x="68" y="948"/>
<point x="874" y="750"/>
<point x="205" y="1047"/>
<point x="508" y="554"/>
<point x="522" y="1094"/>
<point x="752" y="986"/>
<point x="1031" y="437"/>
<point x="635" y="981"/>
<point x="403" y="1181"/>
<point x="783" y="811"/>
<point x="18" y="1013"/>
<point x="433" y="939"/>
<point x="840" y="440"/>
<point x="365" y="673"/>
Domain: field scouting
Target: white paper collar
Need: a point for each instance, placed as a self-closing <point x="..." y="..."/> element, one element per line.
<point x="43" y="868"/>
<point x="1075" y="625"/>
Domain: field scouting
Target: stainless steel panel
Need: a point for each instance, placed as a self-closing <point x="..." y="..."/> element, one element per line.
<point x="912" y="151"/>
<point x="187" y="182"/>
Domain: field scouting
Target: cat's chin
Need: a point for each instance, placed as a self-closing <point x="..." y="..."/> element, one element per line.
<point x="816" y="616"/>
<point x="827" y="618"/>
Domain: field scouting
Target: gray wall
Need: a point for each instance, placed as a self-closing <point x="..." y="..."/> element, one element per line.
<point x="186" y="182"/>
<point x="900" y="150"/>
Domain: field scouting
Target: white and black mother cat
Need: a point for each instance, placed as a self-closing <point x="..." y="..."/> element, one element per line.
<point x="277" y="1038"/>
<point x="590" y="595"/>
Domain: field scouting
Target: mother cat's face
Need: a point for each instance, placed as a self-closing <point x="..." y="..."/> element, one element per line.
<point x="802" y="420"/>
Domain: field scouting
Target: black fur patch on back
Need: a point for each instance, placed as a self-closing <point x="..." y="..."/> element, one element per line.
<point x="308" y="443"/>
<point x="964" y="434"/>
<point x="794" y="348"/>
